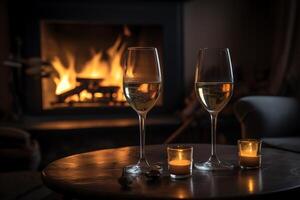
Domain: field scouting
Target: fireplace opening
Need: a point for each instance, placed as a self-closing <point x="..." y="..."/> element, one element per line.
<point x="86" y="61"/>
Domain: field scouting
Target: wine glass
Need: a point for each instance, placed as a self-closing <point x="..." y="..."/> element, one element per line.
<point x="214" y="87"/>
<point x="142" y="86"/>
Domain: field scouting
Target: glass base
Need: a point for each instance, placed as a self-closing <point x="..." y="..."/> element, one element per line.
<point x="247" y="167"/>
<point x="213" y="164"/>
<point x="174" y="176"/>
<point x="141" y="167"/>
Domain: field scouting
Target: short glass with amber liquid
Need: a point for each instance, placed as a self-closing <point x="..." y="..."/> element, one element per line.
<point x="249" y="153"/>
<point x="180" y="161"/>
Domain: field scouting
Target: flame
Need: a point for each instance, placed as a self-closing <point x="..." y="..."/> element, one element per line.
<point x="73" y="98"/>
<point x="85" y="95"/>
<point x="143" y="88"/>
<point x="129" y="72"/>
<point x="108" y="70"/>
<point x="66" y="79"/>
<point x="180" y="156"/>
<point x="226" y="88"/>
<point x="115" y="77"/>
<point x="95" y="67"/>
<point x="251" y="185"/>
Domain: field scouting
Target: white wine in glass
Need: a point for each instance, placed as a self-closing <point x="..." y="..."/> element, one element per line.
<point x="142" y="86"/>
<point x="214" y="95"/>
<point x="142" y="96"/>
<point x="214" y="87"/>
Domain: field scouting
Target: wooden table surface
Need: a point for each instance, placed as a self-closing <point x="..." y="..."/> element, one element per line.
<point x="94" y="175"/>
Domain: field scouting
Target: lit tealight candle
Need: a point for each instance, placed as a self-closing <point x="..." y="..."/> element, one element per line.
<point x="180" y="161"/>
<point x="249" y="153"/>
<point x="179" y="167"/>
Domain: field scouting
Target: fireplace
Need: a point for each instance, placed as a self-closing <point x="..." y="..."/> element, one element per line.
<point x="86" y="59"/>
<point x="83" y="42"/>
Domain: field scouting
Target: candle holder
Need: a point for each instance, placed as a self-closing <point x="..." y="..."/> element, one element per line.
<point x="249" y="153"/>
<point x="180" y="161"/>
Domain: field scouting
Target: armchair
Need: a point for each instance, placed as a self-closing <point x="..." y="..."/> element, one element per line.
<point x="274" y="119"/>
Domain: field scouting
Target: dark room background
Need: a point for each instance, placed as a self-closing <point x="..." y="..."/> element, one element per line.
<point x="263" y="38"/>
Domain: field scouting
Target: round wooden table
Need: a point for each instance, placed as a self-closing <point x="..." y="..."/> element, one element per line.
<point x="94" y="175"/>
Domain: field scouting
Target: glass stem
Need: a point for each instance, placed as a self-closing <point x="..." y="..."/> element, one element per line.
<point x="213" y="117"/>
<point x="142" y="118"/>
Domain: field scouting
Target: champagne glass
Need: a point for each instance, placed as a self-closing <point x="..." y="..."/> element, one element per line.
<point x="214" y="86"/>
<point x="142" y="86"/>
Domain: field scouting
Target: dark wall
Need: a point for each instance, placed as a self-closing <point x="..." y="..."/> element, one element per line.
<point x="246" y="27"/>
<point x="5" y="98"/>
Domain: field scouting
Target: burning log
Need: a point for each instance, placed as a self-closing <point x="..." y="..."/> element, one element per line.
<point x="92" y="86"/>
<point x="107" y="92"/>
<point x="89" y="81"/>
<point x="105" y="89"/>
<point x="62" y="97"/>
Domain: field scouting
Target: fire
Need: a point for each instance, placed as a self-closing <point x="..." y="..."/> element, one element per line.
<point x="66" y="79"/>
<point x="95" y="67"/>
<point x="109" y="72"/>
<point x="143" y="88"/>
<point x="115" y="77"/>
<point x="85" y="95"/>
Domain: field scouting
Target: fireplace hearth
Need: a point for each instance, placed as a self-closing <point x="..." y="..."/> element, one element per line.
<point x="84" y="42"/>
<point x="86" y="60"/>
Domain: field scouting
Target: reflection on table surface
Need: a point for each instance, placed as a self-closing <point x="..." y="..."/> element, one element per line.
<point x="96" y="173"/>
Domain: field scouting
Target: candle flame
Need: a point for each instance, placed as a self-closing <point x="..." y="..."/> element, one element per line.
<point x="249" y="150"/>
<point x="250" y="185"/>
<point x="180" y="156"/>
